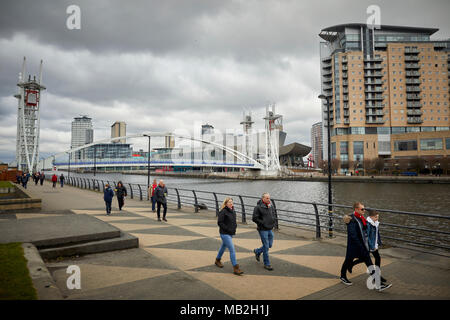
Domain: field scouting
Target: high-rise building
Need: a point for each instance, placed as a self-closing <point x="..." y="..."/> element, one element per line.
<point x="388" y="90"/>
<point x="119" y="129"/>
<point x="82" y="133"/>
<point x="317" y="143"/>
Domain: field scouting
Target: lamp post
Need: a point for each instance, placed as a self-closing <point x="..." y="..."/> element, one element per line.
<point x="68" y="171"/>
<point x="148" y="161"/>
<point x="330" y="199"/>
<point x="95" y="159"/>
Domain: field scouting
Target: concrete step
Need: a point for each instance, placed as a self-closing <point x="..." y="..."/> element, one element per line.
<point x="124" y="241"/>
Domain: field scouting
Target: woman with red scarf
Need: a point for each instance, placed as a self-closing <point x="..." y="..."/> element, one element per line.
<point x="357" y="242"/>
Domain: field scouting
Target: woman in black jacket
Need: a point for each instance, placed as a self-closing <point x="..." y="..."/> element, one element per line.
<point x="227" y="229"/>
<point x="121" y="193"/>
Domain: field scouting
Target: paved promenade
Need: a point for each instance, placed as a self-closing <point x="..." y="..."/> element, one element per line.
<point x="175" y="259"/>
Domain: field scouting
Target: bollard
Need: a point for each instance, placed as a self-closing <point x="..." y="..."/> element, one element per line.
<point x="318" y="235"/>
<point x="178" y="198"/>
<point x="244" y="220"/>
<point x="196" y="202"/>
<point x="217" y="204"/>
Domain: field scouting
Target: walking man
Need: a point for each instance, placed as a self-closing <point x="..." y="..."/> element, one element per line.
<point x="24" y="180"/>
<point x="264" y="217"/>
<point x="108" y="195"/>
<point x="161" y="194"/>
<point x="61" y="180"/>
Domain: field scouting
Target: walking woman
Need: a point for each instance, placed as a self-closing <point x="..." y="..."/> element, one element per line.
<point x="227" y="229"/>
<point x="121" y="193"/>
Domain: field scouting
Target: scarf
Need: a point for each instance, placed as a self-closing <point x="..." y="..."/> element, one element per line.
<point x="360" y="217"/>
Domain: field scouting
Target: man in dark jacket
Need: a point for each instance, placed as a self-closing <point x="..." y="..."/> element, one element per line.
<point x="264" y="217"/>
<point x="108" y="195"/>
<point x="161" y="194"/>
<point x="42" y="178"/>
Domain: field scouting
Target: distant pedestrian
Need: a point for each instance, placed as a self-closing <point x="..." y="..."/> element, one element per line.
<point x="42" y="178"/>
<point x="374" y="242"/>
<point x="36" y="178"/>
<point x="54" y="180"/>
<point x="227" y="229"/>
<point x="121" y="193"/>
<point x="357" y="243"/>
<point x="265" y="219"/>
<point x="25" y="180"/>
<point x="161" y="199"/>
<point x="61" y="180"/>
<point x="108" y="195"/>
<point x="151" y="194"/>
<point x="19" y="179"/>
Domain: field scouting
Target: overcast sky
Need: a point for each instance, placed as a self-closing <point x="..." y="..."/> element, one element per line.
<point x="173" y="64"/>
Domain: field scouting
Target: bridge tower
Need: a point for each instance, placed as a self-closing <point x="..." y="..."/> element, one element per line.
<point x="28" y="120"/>
<point x="273" y="126"/>
<point x="247" y="129"/>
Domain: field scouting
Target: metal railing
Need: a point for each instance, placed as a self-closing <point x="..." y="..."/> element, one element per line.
<point x="421" y="230"/>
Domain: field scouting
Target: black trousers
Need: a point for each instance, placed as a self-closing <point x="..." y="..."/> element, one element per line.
<point x="377" y="257"/>
<point x="121" y="202"/>
<point x="164" y="204"/>
<point x="348" y="263"/>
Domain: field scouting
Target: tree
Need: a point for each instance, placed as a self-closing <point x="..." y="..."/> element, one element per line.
<point x="379" y="165"/>
<point x="335" y="164"/>
<point x="418" y="164"/>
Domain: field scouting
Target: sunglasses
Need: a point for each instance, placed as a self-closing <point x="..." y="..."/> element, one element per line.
<point x="363" y="209"/>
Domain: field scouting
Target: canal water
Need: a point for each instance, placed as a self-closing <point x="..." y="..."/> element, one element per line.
<point x="420" y="198"/>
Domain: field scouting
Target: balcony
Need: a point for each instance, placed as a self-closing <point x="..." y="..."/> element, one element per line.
<point x="374" y="97"/>
<point x="373" y="59"/>
<point x="412" y="58"/>
<point x="344" y="68"/>
<point x="328" y="93"/>
<point x="345" y="83"/>
<point x="413" y="89"/>
<point x="374" y="113"/>
<point x="414" y="120"/>
<point x="346" y="121"/>
<point x="327" y="73"/>
<point x="375" y="121"/>
<point x="413" y="81"/>
<point x="345" y="90"/>
<point x="375" y="106"/>
<point x="414" y="112"/>
<point x="344" y="75"/>
<point x="373" y="82"/>
<point x="373" y="74"/>
<point x="328" y="81"/>
<point x="344" y="59"/>
<point x="346" y="113"/>
<point x="326" y="59"/>
<point x="374" y="89"/>
<point x="326" y="65"/>
<point x="413" y="96"/>
<point x="345" y="106"/>
<point x="413" y="104"/>
<point x="411" y="50"/>
<point x="373" y="67"/>
<point x="412" y="66"/>
<point x="412" y="74"/>
<point x="326" y="87"/>
<point x="345" y="97"/>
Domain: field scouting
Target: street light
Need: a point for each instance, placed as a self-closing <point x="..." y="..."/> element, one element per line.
<point x="148" y="161"/>
<point x="330" y="199"/>
<point x="95" y="159"/>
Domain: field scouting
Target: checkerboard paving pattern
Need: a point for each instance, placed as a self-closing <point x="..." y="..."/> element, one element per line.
<point x="186" y="247"/>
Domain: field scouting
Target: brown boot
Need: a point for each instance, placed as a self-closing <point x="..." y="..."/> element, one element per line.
<point x="237" y="271"/>
<point x="218" y="263"/>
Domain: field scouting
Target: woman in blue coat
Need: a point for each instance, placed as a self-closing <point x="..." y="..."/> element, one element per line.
<point x="108" y="195"/>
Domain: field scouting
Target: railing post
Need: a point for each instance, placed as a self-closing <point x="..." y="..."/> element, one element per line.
<point x="178" y="198"/>
<point x="196" y="202"/>
<point x="103" y="184"/>
<point x="89" y="183"/>
<point x="93" y="184"/>
<point x="244" y="220"/>
<point x="217" y="204"/>
<point x="318" y="235"/>
<point x="276" y="214"/>
<point x="131" y="191"/>
<point x="140" y="191"/>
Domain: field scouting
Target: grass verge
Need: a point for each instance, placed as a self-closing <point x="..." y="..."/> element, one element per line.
<point x="15" y="280"/>
<point x="6" y="184"/>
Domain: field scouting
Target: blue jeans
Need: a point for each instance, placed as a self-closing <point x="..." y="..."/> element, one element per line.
<point x="227" y="242"/>
<point x="153" y="202"/>
<point x="108" y="207"/>
<point x="267" y="241"/>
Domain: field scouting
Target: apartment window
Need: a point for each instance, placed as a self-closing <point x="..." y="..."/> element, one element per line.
<point x="357" y="130"/>
<point x="333" y="150"/>
<point x="405" y="145"/>
<point x="431" y="144"/>
<point x="412" y="129"/>
<point x="396" y="130"/>
<point x="343" y="147"/>
<point x="358" y="150"/>
<point x="447" y="143"/>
